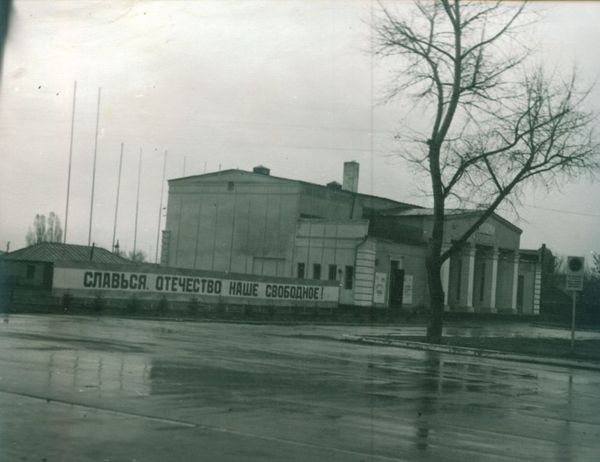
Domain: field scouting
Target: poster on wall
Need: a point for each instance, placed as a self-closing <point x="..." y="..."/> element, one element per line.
<point x="379" y="290"/>
<point x="407" y="293"/>
<point x="94" y="280"/>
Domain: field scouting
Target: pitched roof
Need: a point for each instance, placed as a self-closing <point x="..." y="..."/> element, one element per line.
<point x="425" y="212"/>
<point x="392" y="202"/>
<point x="428" y="212"/>
<point x="54" y="251"/>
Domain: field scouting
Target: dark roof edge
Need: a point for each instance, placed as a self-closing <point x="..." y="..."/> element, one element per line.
<point x="22" y="253"/>
<point x="479" y="212"/>
<point x="204" y="175"/>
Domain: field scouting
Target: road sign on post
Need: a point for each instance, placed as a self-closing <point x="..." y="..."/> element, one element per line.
<point x="575" y="273"/>
<point x="574" y="284"/>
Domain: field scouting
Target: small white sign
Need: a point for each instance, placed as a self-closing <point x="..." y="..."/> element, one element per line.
<point x="407" y="293"/>
<point x="379" y="290"/>
<point x="574" y="282"/>
<point x="575" y="272"/>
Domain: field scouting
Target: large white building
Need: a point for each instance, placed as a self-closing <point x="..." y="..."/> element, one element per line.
<point x="255" y="223"/>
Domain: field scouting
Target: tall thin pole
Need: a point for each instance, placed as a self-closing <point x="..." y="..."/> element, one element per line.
<point x="94" y="167"/>
<point x="372" y="106"/>
<point x="162" y="189"/>
<point x="70" y="161"/>
<point x="573" y="321"/>
<point x="137" y="204"/>
<point x="117" y="201"/>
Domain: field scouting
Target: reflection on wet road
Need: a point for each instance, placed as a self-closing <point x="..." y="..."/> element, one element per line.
<point x="84" y="389"/>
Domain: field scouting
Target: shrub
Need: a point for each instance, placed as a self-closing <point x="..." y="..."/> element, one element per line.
<point x="220" y="309"/>
<point x="193" y="306"/>
<point x="163" y="305"/>
<point x="133" y="304"/>
<point x="98" y="304"/>
<point x="66" y="301"/>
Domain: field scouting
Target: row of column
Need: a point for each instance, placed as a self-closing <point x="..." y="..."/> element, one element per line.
<point x="490" y="297"/>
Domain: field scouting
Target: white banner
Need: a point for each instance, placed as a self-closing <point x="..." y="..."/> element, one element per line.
<point x="94" y="280"/>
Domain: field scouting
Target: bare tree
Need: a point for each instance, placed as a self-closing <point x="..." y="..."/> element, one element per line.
<point x="44" y="230"/>
<point x="495" y="124"/>
<point x="596" y="264"/>
<point x="559" y="264"/>
<point x="38" y="233"/>
<point x="53" y="228"/>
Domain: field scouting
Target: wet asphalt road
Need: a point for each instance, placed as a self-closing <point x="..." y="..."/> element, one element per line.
<point x="85" y="389"/>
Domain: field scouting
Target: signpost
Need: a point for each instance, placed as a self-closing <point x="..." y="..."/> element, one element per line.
<point x="575" y="268"/>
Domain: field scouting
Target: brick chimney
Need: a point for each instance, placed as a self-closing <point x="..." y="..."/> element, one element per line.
<point x="350" y="182"/>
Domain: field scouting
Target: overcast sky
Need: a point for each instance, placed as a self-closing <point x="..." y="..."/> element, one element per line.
<point x="229" y="84"/>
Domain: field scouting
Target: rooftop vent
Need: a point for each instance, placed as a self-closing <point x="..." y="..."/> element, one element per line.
<point x="262" y="170"/>
<point x="334" y="185"/>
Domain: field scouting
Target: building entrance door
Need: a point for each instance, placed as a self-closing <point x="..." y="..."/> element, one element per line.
<point x="396" y="285"/>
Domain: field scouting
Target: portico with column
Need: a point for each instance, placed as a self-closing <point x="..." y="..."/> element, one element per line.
<point x="482" y="276"/>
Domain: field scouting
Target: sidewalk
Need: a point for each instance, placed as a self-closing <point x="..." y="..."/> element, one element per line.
<point x="470" y="351"/>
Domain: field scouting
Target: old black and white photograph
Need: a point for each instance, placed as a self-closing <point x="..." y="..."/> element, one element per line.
<point x="291" y="230"/>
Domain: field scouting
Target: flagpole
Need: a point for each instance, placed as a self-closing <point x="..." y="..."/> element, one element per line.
<point x="70" y="161"/>
<point x="117" y="201"/>
<point x="162" y="188"/>
<point x="94" y="167"/>
<point x="137" y="203"/>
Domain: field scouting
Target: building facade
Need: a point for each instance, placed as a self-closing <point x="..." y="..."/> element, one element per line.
<point x="236" y="221"/>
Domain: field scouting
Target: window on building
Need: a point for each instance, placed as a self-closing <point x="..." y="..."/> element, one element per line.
<point x="316" y="271"/>
<point x="332" y="272"/>
<point x="300" y="272"/>
<point x="349" y="277"/>
<point x="230" y="186"/>
<point x="30" y="271"/>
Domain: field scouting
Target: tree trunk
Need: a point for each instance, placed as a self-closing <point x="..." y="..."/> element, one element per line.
<point x="433" y="262"/>
<point x="436" y="295"/>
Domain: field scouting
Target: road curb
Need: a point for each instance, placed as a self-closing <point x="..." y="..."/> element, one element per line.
<point x="476" y="352"/>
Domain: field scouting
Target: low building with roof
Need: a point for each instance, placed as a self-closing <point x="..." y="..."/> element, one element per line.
<point x="33" y="266"/>
<point x="27" y="274"/>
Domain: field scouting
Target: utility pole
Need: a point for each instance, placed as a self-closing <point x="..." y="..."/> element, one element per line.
<point x="137" y="204"/>
<point x="117" y="201"/>
<point x="70" y="161"/>
<point x="94" y="167"/>
<point x="162" y="188"/>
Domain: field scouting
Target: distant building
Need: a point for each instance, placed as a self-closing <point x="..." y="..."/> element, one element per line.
<point x="255" y="223"/>
<point x="33" y="266"/>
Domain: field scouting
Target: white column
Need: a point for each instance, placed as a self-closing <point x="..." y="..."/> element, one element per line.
<point x="445" y="274"/>
<point x="470" y="277"/>
<point x="494" y="280"/>
<point x="513" y="303"/>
